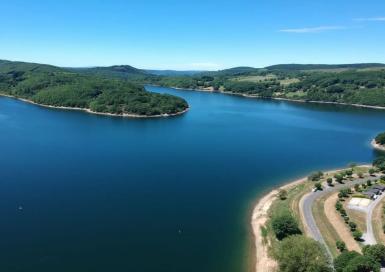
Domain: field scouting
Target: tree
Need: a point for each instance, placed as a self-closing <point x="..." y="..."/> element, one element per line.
<point x="284" y="225"/>
<point x="316" y="176"/>
<point x="318" y="186"/>
<point x="357" y="234"/>
<point x="372" y="171"/>
<point x="369" y="182"/>
<point x="339" y="178"/>
<point x="360" y="174"/>
<point x="300" y="253"/>
<point x="341" y="246"/>
<point x="362" y="264"/>
<point x="329" y="181"/>
<point x="343" y="259"/>
<point x="352" y="226"/>
<point x="282" y="194"/>
<point x="377" y="252"/>
<point x="357" y="188"/>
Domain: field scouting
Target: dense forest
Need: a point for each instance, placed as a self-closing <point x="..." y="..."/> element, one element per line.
<point x="49" y="85"/>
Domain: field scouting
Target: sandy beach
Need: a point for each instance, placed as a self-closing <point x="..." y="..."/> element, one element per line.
<point x="127" y="115"/>
<point x="259" y="217"/>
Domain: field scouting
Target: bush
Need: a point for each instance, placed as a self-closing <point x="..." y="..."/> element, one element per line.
<point x="284" y="225"/>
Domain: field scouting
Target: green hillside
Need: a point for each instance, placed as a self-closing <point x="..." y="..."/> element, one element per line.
<point x="50" y="85"/>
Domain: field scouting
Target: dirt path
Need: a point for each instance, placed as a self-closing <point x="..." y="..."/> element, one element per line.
<point x="338" y="224"/>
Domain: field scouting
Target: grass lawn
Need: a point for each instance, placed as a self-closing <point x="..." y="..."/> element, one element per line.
<point x="326" y="228"/>
<point x="290" y="204"/>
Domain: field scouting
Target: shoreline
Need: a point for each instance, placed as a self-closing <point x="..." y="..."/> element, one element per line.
<point x="377" y="146"/>
<point x="262" y="262"/>
<point x="124" y="115"/>
<point x="282" y="98"/>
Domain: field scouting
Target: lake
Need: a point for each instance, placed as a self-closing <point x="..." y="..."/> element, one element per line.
<point x="81" y="192"/>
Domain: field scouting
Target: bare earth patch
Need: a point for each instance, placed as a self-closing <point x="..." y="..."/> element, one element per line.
<point x="338" y="223"/>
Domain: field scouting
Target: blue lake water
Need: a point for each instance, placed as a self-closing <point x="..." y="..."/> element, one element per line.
<point x="81" y="192"/>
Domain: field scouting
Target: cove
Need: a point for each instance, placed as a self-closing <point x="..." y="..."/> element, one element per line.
<point x="82" y="192"/>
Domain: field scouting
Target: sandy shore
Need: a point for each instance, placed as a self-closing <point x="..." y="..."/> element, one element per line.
<point x="259" y="217"/>
<point x="377" y="146"/>
<point x="98" y="113"/>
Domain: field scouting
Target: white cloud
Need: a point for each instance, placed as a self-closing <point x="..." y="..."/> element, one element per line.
<point x="312" y="29"/>
<point x="371" y="19"/>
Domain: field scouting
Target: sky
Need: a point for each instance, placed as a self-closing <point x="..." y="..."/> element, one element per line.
<point x="192" y="35"/>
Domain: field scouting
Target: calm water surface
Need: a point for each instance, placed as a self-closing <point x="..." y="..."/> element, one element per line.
<point x="80" y="192"/>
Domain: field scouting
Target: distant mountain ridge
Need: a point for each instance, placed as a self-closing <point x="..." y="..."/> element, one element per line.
<point x="297" y="67"/>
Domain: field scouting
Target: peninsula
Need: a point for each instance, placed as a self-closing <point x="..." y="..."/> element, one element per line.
<point x="56" y="87"/>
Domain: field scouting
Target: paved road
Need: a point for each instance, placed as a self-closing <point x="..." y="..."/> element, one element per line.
<point x="369" y="237"/>
<point x="308" y="201"/>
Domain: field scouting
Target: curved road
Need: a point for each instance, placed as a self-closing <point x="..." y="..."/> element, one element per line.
<point x="307" y="202"/>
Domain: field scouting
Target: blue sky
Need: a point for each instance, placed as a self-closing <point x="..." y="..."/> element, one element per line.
<point x="196" y="34"/>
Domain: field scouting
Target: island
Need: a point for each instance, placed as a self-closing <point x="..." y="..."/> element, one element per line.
<point x="56" y="87"/>
<point x="328" y="221"/>
<point x="379" y="142"/>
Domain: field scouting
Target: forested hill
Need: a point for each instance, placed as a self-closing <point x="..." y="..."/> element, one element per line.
<point x="304" y="67"/>
<point x="348" y="83"/>
<point x="54" y="86"/>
